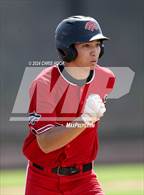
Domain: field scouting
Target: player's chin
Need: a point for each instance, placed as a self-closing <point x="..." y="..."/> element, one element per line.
<point x="93" y="64"/>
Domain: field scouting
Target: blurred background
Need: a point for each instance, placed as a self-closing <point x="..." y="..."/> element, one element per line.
<point x="27" y="34"/>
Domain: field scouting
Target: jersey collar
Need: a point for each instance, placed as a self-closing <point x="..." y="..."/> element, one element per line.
<point x="72" y="80"/>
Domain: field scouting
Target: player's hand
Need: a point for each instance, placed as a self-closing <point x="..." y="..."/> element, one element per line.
<point x="94" y="109"/>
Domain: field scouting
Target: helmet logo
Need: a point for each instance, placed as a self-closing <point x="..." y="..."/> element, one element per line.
<point x="90" y="26"/>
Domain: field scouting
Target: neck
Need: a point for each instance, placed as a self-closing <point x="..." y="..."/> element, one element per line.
<point x="77" y="72"/>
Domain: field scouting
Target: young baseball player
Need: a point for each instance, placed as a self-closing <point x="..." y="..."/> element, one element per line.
<point x="67" y="102"/>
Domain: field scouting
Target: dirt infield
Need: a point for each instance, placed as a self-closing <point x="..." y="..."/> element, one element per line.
<point x="12" y="190"/>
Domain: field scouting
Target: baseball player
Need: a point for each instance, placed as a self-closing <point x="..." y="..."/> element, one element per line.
<point x="67" y="101"/>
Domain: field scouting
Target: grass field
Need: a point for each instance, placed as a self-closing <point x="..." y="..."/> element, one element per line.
<point x="115" y="180"/>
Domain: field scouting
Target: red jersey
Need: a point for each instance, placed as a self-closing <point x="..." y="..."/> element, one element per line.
<point x="56" y="98"/>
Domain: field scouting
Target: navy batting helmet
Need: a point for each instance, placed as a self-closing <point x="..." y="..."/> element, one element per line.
<point x="76" y="29"/>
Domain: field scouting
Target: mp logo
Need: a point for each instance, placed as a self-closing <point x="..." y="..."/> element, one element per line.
<point x="124" y="79"/>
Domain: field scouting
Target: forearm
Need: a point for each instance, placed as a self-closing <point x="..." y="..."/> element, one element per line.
<point x="58" y="137"/>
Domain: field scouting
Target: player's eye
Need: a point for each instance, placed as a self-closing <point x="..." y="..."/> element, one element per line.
<point x="86" y="45"/>
<point x="98" y="44"/>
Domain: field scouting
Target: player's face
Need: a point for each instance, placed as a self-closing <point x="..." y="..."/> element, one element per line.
<point x="88" y="53"/>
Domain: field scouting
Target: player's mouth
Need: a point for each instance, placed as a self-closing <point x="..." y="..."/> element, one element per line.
<point x="93" y="61"/>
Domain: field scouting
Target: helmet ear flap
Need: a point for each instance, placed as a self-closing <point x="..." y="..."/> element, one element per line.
<point x="102" y="50"/>
<point x="68" y="54"/>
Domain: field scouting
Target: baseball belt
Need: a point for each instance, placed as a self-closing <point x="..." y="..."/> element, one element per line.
<point x="66" y="171"/>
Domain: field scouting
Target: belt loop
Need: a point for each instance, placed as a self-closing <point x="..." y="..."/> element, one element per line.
<point x="81" y="169"/>
<point x="58" y="170"/>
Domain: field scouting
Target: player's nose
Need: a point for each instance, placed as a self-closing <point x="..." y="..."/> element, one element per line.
<point x="95" y="51"/>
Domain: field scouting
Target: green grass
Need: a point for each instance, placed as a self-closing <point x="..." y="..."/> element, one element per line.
<point x="115" y="180"/>
<point x="122" y="179"/>
<point x="12" y="178"/>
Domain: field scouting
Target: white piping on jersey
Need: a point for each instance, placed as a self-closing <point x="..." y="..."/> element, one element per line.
<point x="65" y="78"/>
<point x="45" y="128"/>
<point x="42" y="128"/>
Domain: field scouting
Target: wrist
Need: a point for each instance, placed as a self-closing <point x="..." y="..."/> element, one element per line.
<point x="88" y="120"/>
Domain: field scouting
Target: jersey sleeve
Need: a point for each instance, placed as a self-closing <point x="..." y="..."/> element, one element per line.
<point x="111" y="82"/>
<point x="42" y="114"/>
<point x="111" y="79"/>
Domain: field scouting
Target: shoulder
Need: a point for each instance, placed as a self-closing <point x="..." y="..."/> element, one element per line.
<point x="47" y="75"/>
<point x="45" y="78"/>
<point x="106" y="75"/>
<point x="105" y="71"/>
